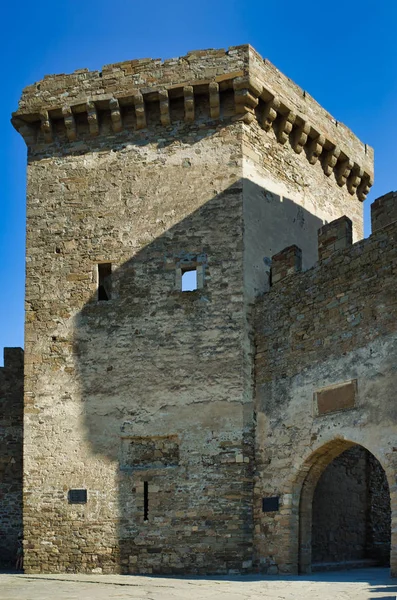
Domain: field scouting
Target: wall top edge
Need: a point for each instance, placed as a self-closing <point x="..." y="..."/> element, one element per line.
<point x="239" y="68"/>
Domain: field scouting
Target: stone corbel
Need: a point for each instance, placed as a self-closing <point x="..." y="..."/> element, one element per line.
<point x="246" y="97"/>
<point x="300" y="135"/>
<point x="343" y="170"/>
<point x="214" y="100"/>
<point x="70" y="123"/>
<point x="314" y="149"/>
<point x="270" y="113"/>
<point x="188" y="95"/>
<point x="354" y="179"/>
<point x="92" y="116"/>
<point x="27" y="130"/>
<point x="364" y="186"/>
<point x="115" y="115"/>
<point x="46" y="127"/>
<point x="330" y="160"/>
<point x="285" y="126"/>
<point x="164" y="108"/>
<point x="140" y="112"/>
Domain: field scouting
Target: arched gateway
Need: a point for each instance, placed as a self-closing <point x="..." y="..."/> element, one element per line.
<point x="344" y="512"/>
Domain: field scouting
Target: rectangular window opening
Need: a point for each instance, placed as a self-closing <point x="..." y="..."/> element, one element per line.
<point x="145" y="500"/>
<point x="189" y="279"/>
<point x="104" y="281"/>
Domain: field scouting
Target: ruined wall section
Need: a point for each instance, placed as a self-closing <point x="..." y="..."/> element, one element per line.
<point x="326" y="344"/>
<point x="11" y="434"/>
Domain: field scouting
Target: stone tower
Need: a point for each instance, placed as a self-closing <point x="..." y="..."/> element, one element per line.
<point x="139" y="451"/>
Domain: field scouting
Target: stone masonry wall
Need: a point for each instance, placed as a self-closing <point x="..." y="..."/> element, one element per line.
<point x="339" y="526"/>
<point x="11" y="433"/>
<point x="378" y="535"/>
<point x="152" y="362"/>
<point x="332" y="327"/>
<point x="141" y="407"/>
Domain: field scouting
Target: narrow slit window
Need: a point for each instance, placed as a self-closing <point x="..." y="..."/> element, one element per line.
<point x="189" y="280"/>
<point x="145" y="500"/>
<point x="104" y="281"/>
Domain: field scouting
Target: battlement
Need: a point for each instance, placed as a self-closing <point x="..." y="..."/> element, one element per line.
<point x="346" y="300"/>
<point x="215" y="85"/>
<point x="13" y="359"/>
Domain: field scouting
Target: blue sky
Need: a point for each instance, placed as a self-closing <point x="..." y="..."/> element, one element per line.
<point x="343" y="54"/>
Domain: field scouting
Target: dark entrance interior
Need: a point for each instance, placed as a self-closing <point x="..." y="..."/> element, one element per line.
<point x="351" y="517"/>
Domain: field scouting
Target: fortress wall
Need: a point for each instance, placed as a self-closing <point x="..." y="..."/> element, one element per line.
<point x="325" y="374"/>
<point x="11" y="433"/>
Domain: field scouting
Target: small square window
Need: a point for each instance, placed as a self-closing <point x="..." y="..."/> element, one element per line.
<point x="189" y="280"/>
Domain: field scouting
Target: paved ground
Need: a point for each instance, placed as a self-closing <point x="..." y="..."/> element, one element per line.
<point x="348" y="585"/>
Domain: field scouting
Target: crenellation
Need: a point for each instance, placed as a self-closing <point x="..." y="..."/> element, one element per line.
<point x="334" y="236"/>
<point x="285" y="263"/>
<point x="384" y="211"/>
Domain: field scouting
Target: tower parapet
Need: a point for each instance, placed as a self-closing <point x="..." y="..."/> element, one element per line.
<point x="77" y="106"/>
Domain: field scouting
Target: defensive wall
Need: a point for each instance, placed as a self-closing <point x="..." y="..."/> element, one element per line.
<point x="11" y="442"/>
<point x="325" y="377"/>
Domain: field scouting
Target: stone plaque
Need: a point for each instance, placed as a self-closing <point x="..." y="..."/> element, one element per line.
<point x="77" y="496"/>
<point x="336" y="397"/>
<point x="149" y="452"/>
<point x="270" y="504"/>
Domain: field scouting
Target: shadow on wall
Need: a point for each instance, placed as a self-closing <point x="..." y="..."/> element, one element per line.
<point x="165" y="383"/>
<point x="11" y="450"/>
<point x="351" y="511"/>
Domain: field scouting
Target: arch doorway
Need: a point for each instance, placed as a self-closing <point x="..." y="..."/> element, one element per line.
<point x="344" y="510"/>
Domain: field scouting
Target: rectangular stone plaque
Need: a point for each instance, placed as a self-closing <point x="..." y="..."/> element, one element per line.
<point x="335" y="398"/>
<point x="146" y="452"/>
<point x="270" y="504"/>
<point x="77" y="496"/>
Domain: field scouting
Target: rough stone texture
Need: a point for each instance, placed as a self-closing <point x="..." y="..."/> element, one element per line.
<point x="351" y="515"/>
<point x="384" y="211"/>
<point x="11" y="433"/>
<point x="216" y="162"/>
<point x="331" y="325"/>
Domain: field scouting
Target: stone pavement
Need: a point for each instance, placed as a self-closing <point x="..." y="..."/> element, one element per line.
<point x="347" y="585"/>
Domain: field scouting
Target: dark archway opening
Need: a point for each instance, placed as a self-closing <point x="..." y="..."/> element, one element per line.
<point x="351" y="516"/>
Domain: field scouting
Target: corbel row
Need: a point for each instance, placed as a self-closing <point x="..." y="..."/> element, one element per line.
<point x="288" y="126"/>
<point x="248" y="92"/>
